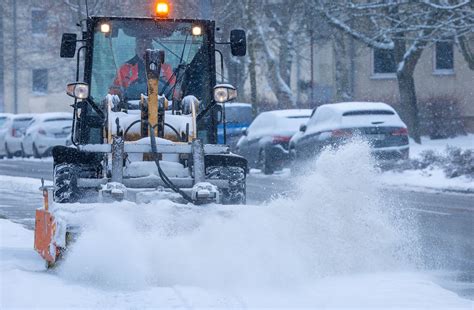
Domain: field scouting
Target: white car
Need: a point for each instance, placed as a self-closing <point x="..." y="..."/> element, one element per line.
<point x="335" y="123"/>
<point x="16" y="127"/>
<point x="4" y="127"/>
<point x="265" y="142"/>
<point x="46" y="131"/>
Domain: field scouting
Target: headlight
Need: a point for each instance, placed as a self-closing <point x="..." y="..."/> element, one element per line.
<point x="224" y="93"/>
<point x="78" y="90"/>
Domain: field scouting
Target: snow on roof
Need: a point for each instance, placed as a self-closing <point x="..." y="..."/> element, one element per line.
<point x="23" y="115"/>
<point x="357" y="106"/>
<point x="44" y="116"/>
<point x="290" y="112"/>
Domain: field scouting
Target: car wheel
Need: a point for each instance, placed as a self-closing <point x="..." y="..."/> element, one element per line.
<point x="264" y="164"/>
<point x="9" y="155"/>
<point x="23" y="154"/>
<point x="36" y="153"/>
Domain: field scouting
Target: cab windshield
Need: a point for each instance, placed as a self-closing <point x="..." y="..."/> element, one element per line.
<point x="118" y="59"/>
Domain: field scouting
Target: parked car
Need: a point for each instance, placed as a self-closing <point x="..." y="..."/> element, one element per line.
<point x="16" y="128"/>
<point x="46" y="131"/>
<point x="333" y="124"/>
<point x="265" y="142"/>
<point x="237" y="117"/>
<point x="4" y="121"/>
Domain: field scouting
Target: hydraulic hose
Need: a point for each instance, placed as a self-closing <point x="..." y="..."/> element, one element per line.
<point x="166" y="124"/>
<point x="161" y="173"/>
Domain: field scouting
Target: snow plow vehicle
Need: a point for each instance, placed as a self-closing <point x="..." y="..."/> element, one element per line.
<point x="145" y="120"/>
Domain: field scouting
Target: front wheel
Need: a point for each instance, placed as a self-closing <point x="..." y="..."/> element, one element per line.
<point x="36" y="153"/>
<point x="236" y="192"/>
<point x="264" y="163"/>
<point x="65" y="183"/>
<point x="9" y="155"/>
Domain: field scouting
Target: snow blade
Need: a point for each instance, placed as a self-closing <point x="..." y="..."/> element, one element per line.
<point x="45" y="228"/>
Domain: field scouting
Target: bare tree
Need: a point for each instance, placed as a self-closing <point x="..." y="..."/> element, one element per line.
<point x="406" y="27"/>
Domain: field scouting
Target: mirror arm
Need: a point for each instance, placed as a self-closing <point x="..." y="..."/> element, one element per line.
<point x="222" y="64"/>
<point x="78" y="60"/>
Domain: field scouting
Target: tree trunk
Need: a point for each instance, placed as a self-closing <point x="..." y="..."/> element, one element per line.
<point x="251" y="25"/>
<point x="406" y="87"/>
<point x="406" y="62"/>
<point x="343" y="66"/>
<point x="466" y="51"/>
<point x="286" y="57"/>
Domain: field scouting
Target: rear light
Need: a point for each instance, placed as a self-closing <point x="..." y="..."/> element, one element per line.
<point x="42" y="132"/>
<point x="280" y="139"/>
<point x="400" y="132"/>
<point x="341" y="133"/>
<point x="13" y="132"/>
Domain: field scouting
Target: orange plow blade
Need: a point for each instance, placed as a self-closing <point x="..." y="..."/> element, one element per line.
<point x="45" y="228"/>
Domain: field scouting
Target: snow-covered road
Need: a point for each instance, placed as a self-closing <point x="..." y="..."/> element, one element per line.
<point x="339" y="240"/>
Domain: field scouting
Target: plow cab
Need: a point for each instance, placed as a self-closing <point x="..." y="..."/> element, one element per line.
<point x="146" y="111"/>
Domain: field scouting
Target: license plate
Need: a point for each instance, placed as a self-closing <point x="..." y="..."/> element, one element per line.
<point x="377" y="137"/>
<point x="60" y="135"/>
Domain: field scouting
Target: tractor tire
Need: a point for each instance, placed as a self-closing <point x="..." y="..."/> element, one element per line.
<point x="36" y="153"/>
<point x="7" y="152"/>
<point x="236" y="194"/>
<point x="264" y="164"/>
<point x="65" y="183"/>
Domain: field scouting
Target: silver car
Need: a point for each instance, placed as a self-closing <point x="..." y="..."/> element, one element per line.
<point x="46" y="131"/>
<point x="15" y="130"/>
<point x="4" y="127"/>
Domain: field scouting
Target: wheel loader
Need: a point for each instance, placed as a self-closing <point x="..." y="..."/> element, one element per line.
<point x="146" y="109"/>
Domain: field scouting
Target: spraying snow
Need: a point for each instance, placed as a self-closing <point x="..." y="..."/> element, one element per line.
<point x="339" y="224"/>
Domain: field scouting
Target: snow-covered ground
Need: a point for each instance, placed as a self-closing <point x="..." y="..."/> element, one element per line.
<point x="432" y="177"/>
<point x="25" y="283"/>
<point x="336" y="245"/>
<point x="439" y="145"/>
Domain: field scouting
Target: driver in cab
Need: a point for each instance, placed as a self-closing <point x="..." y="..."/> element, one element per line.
<point x="130" y="80"/>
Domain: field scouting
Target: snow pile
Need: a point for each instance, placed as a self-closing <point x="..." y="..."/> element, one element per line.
<point x="338" y="225"/>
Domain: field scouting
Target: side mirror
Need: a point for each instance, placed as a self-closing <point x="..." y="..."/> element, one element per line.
<point x="238" y="42"/>
<point x="224" y="93"/>
<point x="78" y="90"/>
<point x="244" y="132"/>
<point x="303" y="127"/>
<point x="68" y="45"/>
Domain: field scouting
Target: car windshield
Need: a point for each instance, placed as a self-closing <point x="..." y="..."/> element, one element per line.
<point x="118" y="64"/>
<point x="3" y="121"/>
<point x="238" y="114"/>
<point x="58" y="119"/>
<point x="368" y="112"/>
<point x="21" y="123"/>
<point x="293" y="122"/>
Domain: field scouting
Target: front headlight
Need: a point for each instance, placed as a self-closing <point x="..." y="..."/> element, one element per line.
<point x="78" y="90"/>
<point x="224" y="93"/>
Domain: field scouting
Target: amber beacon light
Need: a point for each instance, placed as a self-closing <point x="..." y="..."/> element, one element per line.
<point x="162" y="9"/>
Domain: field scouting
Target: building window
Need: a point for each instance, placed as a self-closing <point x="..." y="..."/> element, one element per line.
<point x="444" y="56"/>
<point x="39" y="24"/>
<point x="40" y="81"/>
<point x="384" y="61"/>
